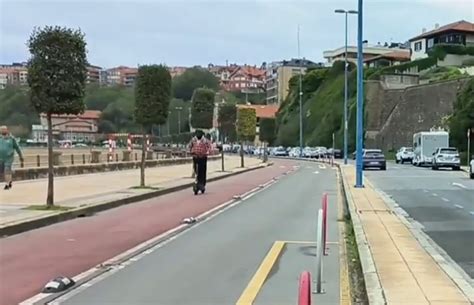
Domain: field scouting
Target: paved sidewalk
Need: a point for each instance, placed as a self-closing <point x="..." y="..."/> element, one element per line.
<point x="91" y="189"/>
<point x="408" y="275"/>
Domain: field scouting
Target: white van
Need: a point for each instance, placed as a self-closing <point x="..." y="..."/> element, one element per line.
<point x="425" y="144"/>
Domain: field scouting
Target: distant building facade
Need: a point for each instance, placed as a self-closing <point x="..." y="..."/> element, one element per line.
<point x="369" y="52"/>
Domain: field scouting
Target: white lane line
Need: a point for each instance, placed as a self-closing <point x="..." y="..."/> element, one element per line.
<point x="426" y="191"/>
<point x="459" y="206"/>
<point x="445" y="199"/>
<point x="472" y="213"/>
<point x="322" y="166"/>
<point x="459" y="185"/>
<point x="434" y="194"/>
<point x="316" y="172"/>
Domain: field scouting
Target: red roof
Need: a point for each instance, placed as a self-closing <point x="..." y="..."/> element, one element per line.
<point x="460" y="26"/>
<point x="88" y="114"/>
<point x="263" y="111"/>
<point x="395" y="55"/>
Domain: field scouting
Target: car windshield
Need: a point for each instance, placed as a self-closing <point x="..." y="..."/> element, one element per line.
<point x="448" y="151"/>
<point x="409" y="149"/>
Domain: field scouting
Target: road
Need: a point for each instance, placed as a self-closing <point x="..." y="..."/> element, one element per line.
<point x="441" y="201"/>
<point x="213" y="262"/>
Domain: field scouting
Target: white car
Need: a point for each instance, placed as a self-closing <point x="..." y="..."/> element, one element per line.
<point x="404" y="154"/>
<point x="446" y="157"/>
<point x="471" y="168"/>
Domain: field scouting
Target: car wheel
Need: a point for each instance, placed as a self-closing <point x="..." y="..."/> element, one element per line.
<point x="402" y="161"/>
<point x="384" y="168"/>
<point x="456" y="168"/>
<point x="434" y="167"/>
<point x="397" y="161"/>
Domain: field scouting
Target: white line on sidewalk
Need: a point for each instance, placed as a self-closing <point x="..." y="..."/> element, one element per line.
<point x="445" y="199"/>
<point x="459" y="185"/>
<point x="459" y="206"/>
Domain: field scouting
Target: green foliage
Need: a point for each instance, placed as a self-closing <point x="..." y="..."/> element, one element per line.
<point x="192" y="79"/>
<point x="267" y="130"/>
<point x="152" y="94"/>
<point x="57" y="70"/>
<point x="16" y="111"/>
<point x="252" y="98"/>
<point x="442" y="73"/>
<point x="468" y="62"/>
<point x="440" y="50"/>
<point x="463" y="116"/>
<point x="227" y="118"/>
<point x="246" y="124"/>
<point x="202" y="110"/>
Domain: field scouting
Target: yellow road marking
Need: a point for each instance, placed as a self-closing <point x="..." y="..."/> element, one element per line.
<point x="257" y="281"/>
<point x="308" y="242"/>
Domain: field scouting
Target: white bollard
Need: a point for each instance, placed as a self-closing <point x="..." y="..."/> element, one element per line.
<point x="319" y="253"/>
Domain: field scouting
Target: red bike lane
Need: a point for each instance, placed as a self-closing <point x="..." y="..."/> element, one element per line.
<point x="30" y="259"/>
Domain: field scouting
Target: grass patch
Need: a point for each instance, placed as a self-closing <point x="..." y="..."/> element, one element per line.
<point x="356" y="276"/>
<point x="44" y="207"/>
<point x="145" y="188"/>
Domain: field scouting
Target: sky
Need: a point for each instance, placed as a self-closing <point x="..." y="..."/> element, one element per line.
<point x="199" y="32"/>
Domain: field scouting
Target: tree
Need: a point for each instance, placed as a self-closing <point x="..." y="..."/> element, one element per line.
<point x="202" y="109"/>
<point x="462" y="118"/>
<point x="267" y="133"/>
<point x="227" y="118"/>
<point x="192" y="79"/>
<point x="152" y="99"/>
<point x="57" y="72"/>
<point x="246" y="128"/>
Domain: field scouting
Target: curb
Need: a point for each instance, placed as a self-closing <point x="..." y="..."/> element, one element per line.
<point x="47" y="220"/>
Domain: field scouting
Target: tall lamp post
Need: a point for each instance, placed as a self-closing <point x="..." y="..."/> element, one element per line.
<point x="179" y="118"/>
<point x="341" y="11"/>
<point x="360" y="99"/>
<point x="300" y="95"/>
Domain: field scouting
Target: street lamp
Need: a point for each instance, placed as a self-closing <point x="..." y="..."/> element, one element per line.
<point x="179" y="118"/>
<point x="340" y="11"/>
<point x="360" y="99"/>
<point x="300" y="95"/>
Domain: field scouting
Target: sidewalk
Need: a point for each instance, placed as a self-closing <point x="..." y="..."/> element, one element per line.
<point x="396" y="268"/>
<point x="92" y="189"/>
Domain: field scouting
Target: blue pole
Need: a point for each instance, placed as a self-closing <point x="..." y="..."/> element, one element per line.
<point x="360" y="100"/>
<point x="345" y="97"/>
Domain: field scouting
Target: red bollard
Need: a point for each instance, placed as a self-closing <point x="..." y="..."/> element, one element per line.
<point x="325" y="221"/>
<point x="304" y="289"/>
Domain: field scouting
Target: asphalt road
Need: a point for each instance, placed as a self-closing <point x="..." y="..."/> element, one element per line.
<point x="213" y="262"/>
<point x="442" y="201"/>
<point x="30" y="259"/>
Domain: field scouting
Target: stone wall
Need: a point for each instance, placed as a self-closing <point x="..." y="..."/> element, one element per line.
<point x="394" y="115"/>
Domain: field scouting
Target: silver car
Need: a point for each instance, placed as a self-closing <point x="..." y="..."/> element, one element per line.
<point x="446" y="157"/>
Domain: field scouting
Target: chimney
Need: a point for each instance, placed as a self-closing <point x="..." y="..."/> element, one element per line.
<point x="436" y="26"/>
<point x="423" y="30"/>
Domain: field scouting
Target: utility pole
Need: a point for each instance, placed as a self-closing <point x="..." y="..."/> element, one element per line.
<point x="360" y="98"/>
<point x="300" y="95"/>
<point x="468" y="146"/>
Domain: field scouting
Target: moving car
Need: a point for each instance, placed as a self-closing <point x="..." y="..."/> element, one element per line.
<point x="471" y="168"/>
<point x="404" y="154"/>
<point x="425" y="143"/>
<point x="446" y="157"/>
<point x="374" y="158"/>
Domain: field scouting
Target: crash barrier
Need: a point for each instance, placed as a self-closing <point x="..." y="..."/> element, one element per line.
<point x="304" y="289"/>
<point x="324" y="207"/>
<point x="319" y="252"/>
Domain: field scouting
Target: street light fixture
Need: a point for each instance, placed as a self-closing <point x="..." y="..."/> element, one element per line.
<point x="360" y="98"/>
<point x="346" y="12"/>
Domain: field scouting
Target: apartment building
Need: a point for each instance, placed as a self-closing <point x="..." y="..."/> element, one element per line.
<point x="121" y="76"/>
<point x="278" y="75"/>
<point x="368" y="51"/>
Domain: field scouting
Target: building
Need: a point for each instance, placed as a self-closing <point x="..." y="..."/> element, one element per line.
<point x="76" y="128"/>
<point x="369" y="51"/>
<point x="262" y="111"/>
<point x="460" y="32"/>
<point x="278" y="75"/>
<point x="176" y="71"/>
<point x="121" y="76"/>
<point x="15" y="74"/>
<point x="388" y="59"/>
<point x="245" y="78"/>
<point x="93" y="75"/>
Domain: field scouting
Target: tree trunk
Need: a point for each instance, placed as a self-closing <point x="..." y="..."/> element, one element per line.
<point x="50" y="198"/>
<point x="142" y="164"/>
<point x="242" y="154"/>
<point x="222" y="157"/>
<point x="265" y="156"/>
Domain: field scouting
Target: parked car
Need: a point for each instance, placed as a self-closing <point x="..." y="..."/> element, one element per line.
<point x="374" y="158"/>
<point x="471" y="168"/>
<point x="280" y="152"/>
<point x="404" y="154"/>
<point x="294" y="152"/>
<point x="337" y="153"/>
<point x="446" y="157"/>
<point x="310" y="152"/>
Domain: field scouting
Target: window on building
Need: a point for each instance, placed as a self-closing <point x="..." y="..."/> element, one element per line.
<point x="430" y="43"/>
<point x="418" y="46"/>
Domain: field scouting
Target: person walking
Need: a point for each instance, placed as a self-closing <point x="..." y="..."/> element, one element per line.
<point x="200" y="147"/>
<point x="8" y="146"/>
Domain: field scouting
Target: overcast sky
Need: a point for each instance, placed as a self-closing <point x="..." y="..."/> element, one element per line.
<point x="192" y="32"/>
